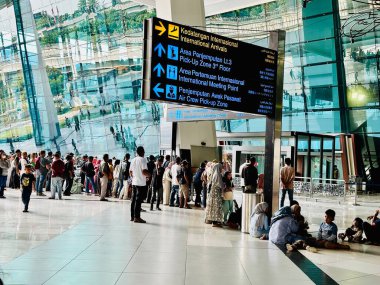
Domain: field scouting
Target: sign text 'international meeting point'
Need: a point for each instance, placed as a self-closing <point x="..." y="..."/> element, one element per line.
<point x="183" y="65"/>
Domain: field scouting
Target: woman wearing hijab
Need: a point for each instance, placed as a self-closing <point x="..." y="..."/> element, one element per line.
<point x="214" y="210"/>
<point x="259" y="225"/>
<point x="166" y="183"/>
<point x="284" y="226"/>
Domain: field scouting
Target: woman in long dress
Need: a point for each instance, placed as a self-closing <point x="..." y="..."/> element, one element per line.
<point x="214" y="210"/>
<point x="167" y="182"/>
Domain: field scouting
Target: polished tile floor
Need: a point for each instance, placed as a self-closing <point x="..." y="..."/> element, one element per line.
<point x="81" y="240"/>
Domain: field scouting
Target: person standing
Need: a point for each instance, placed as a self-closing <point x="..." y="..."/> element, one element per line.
<point x="27" y="184"/>
<point x="4" y="167"/>
<point x="151" y="166"/>
<point x="246" y="163"/>
<point x="184" y="185"/>
<point x="50" y="158"/>
<point x="42" y="167"/>
<point x="198" y="184"/>
<point x="69" y="175"/>
<point x="82" y="172"/>
<point x="175" y="184"/>
<point x="104" y="173"/>
<point x="214" y="210"/>
<point x="167" y="161"/>
<point x="156" y="184"/>
<point x="24" y="161"/>
<point x="90" y="173"/>
<point x="57" y="174"/>
<point x="287" y="177"/>
<point x="250" y="176"/>
<point x="167" y="183"/>
<point x="139" y="173"/>
<point x="126" y="178"/>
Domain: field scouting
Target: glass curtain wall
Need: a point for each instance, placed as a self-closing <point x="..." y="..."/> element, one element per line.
<point x="92" y="52"/>
<point x="311" y="95"/>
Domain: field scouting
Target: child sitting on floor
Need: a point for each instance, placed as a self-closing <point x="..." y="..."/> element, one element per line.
<point x="328" y="231"/>
<point x="354" y="233"/>
<point x="327" y="236"/>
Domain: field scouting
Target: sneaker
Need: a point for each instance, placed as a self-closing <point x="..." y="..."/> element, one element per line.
<point x="289" y="247"/>
<point x="311" y="249"/>
<point x="139" y="220"/>
<point x="42" y="194"/>
<point x="158" y="209"/>
<point x="25" y="211"/>
<point x="51" y="198"/>
<point x="2" y="197"/>
<point x="104" y="199"/>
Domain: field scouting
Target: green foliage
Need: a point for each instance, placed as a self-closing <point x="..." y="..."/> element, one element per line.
<point x="56" y="80"/>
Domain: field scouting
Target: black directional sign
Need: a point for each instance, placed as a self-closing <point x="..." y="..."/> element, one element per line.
<point x="183" y="65"/>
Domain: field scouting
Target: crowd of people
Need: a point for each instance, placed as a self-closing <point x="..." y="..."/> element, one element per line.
<point x="157" y="180"/>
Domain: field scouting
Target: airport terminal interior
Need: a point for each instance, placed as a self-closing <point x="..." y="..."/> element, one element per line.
<point x="294" y="80"/>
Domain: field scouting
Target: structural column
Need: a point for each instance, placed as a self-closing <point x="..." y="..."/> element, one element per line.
<point x="273" y="129"/>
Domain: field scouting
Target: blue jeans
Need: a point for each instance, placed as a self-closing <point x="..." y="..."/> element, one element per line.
<point x="3" y="182"/>
<point x="283" y="194"/>
<point x="40" y="183"/>
<point x="90" y="179"/>
<point x="174" y="195"/>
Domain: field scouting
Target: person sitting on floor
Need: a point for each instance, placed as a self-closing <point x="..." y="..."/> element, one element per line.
<point x="372" y="229"/>
<point x="284" y="227"/>
<point x="355" y="232"/>
<point x="259" y="224"/>
<point x="328" y="231"/>
<point x="303" y="225"/>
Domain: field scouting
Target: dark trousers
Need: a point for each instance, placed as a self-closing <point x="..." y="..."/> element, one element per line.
<point x="156" y="196"/>
<point x="3" y="182"/>
<point x="48" y="181"/>
<point x="198" y="190"/>
<point x="138" y="194"/>
<point x="283" y="194"/>
<point x="69" y="184"/>
<point x="372" y="232"/>
<point x="25" y="196"/>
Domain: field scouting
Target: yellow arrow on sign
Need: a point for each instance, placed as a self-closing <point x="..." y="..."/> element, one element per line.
<point x="160" y="28"/>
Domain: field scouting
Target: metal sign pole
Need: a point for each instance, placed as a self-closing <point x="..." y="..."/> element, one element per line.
<point x="273" y="128"/>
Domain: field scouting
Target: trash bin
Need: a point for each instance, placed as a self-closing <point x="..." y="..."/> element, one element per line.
<point x="250" y="200"/>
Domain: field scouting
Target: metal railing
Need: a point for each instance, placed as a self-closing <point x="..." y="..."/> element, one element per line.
<point x="353" y="190"/>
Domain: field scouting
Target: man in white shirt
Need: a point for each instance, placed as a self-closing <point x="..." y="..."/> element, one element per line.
<point x="175" y="170"/>
<point x="139" y="173"/>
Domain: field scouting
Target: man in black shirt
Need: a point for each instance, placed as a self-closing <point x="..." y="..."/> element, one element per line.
<point x="90" y="173"/>
<point x="250" y="176"/>
<point x="27" y="183"/>
<point x="156" y="184"/>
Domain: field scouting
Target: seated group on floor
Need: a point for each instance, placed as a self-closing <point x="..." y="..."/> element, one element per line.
<point x="288" y="227"/>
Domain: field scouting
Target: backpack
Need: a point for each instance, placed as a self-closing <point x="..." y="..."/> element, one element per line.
<point x="38" y="163"/>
